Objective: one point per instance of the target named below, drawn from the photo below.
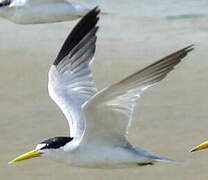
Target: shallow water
(171, 117)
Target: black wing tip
(186, 50)
(83, 27)
(92, 14)
(95, 10)
(189, 48)
(180, 53)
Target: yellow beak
(201, 146)
(28, 155)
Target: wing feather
(70, 78)
(109, 112)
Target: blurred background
(170, 118)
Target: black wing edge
(85, 25)
(162, 66)
(177, 56)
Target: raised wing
(109, 113)
(70, 78)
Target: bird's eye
(54, 143)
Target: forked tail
(151, 158)
(158, 158)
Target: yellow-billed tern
(98, 120)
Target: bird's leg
(145, 164)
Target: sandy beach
(170, 118)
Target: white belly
(97, 157)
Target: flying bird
(201, 146)
(41, 11)
(98, 120)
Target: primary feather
(109, 112)
(70, 78)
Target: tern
(98, 120)
(41, 11)
(201, 146)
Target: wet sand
(170, 118)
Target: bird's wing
(70, 78)
(109, 112)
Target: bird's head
(45, 148)
(4, 3)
